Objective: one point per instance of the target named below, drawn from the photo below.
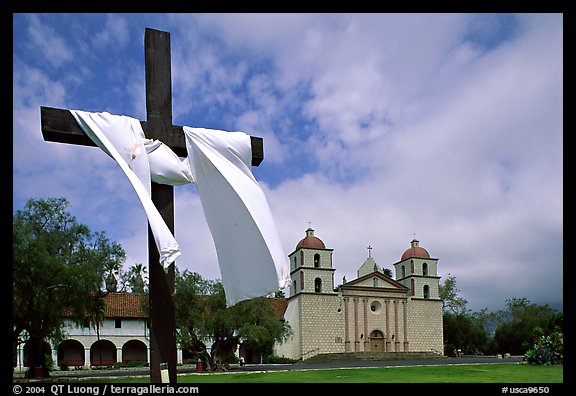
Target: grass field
(473, 373)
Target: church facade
(372, 313)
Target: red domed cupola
(310, 242)
(415, 251)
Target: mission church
(372, 313)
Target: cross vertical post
(159, 118)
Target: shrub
(547, 349)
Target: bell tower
(311, 266)
(419, 272)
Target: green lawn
(474, 373)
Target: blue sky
(376, 127)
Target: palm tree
(111, 262)
(96, 319)
(138, 273)
(111, 282)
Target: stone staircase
(384, 356)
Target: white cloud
(47, 43)
(405, 125)
(114, 32)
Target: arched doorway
(47, 351)
(103, 353)
(376, 341)
(134, 351)
(70, 353)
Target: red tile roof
(280, 304)
(415, 251)
(310, 241)
(125, 305)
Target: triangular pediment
(368, 281)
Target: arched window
(412, 287)
(426, 290)
(403, 272)
(425, 269)
(317, 260)
(295, 287)
(317, 285)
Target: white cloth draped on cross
(251, 259)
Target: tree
(515, 333)
(258, 327)
(202, 317)
(58, 271)
(96, 319)
(488, 321)
(136, 278)
(110, 256)
(448, 292)
(190, 308)
(461, 331)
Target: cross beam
(59, 125)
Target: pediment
(382, 282)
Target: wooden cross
(59, 125)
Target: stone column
(366, 336)
(356, 336)
(179, 358)
(54, 354)
(347, 347)
(396, 338)
(388, 347)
